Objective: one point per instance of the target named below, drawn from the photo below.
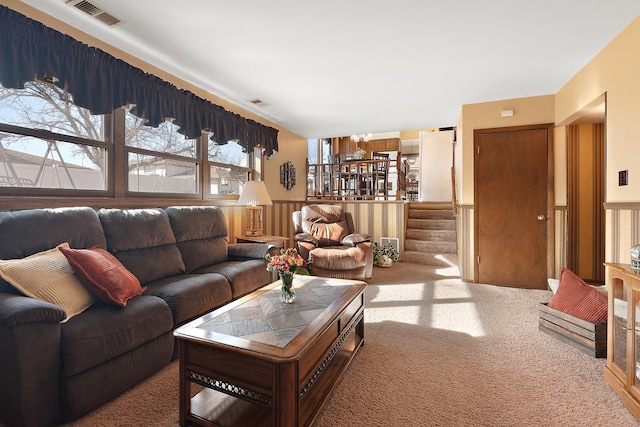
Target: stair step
(431, 214)
(444, 260)
(431, 235)
(431, 224)
(431, 205)
(430, 247)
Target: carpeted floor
(438, 352)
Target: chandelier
(362, 137)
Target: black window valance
(102, 83)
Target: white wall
(436, 157)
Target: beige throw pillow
(48, 276)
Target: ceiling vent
(256, 101)
(95, 12)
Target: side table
(274, 241)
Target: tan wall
(406, 135)
(486, 115)
(292, 149)
(560, 165)
(613, 71)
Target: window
(312, 151)
(160, 160)
(229, 168)
(47, 142)
(50, 146)
(319, 151)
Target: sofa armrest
(30, 361)
(355, 238)
(244, 251)
(307, 238)
(16, 310)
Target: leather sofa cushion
(143, 241)
(243, 276)
(191, 295)
(106, 331)
(338, 258)
(201, 234)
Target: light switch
(623, 178)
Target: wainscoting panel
(464, 229)
(622, 231)
(278, 220)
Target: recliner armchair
(327, 233)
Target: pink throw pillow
(575, 297)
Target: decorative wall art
(288, 175)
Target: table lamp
(254, 195)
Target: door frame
(549, 127)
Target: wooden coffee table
(260, 362)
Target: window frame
(46, 134)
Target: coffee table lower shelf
(211, 407)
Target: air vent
(95, 12)
(256, 101)
(393, 241)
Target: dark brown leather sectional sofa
(53, 372)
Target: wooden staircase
(431, 234)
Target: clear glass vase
(287, 291)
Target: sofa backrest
(143, 241)
(201, 235)
(26, 232)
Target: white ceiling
(337, 67)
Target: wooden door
(513, 205)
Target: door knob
(541, 217)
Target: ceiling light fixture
(361, 137)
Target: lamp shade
(254, 193)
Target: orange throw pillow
(103, 274)
(575, 297)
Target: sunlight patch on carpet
(385, 300)
(458, 317)
(448, 272)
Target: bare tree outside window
(45, 106)
(61, 162)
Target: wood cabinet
(622, 371)
(347, 146)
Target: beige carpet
(438, 352)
